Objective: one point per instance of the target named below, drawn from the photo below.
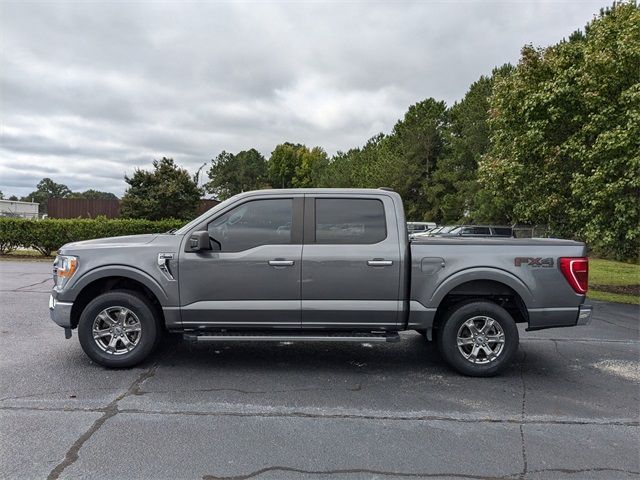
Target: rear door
(351, 262)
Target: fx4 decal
(533, 262)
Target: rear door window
(349, 221)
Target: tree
(417, 142)
(453, 192)
(13, 198)
(93, 194)
(565, 135)
(231, 174)
(167, 191)
(45, 190)
(311, 163)
(282, 165)
(362, 167)
(295, 165)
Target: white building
(11, 208)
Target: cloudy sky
(90, 90)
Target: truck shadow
(412, 355)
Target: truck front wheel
(478, 338)
(118, 329)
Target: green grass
(611, 273)
(613, 297)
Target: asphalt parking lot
(569, 407)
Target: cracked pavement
(568, 408)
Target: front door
(253, 281)
(351, 263)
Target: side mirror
(199, 241)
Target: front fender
(70, 294)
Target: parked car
(442, 230)
(419, 227)
(329, 265)
(479, 231)
(425, 233)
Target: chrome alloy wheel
(480, 340)
(116, 330)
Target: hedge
(49, 235)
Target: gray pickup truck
(315, 265)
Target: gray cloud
(89, 91)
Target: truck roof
(280, 191)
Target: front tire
(478, 338)
(118, 329)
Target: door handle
(379, 263)
(281, 263)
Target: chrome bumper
(60, 312)
(584, 314)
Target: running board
(301, 337)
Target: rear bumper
(540, 318)
(60, 312)
(584, 315)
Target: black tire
(452, 326)
(148, 336)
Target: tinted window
(506, 232)
(478, 231)
(260, 222)
(353, 220)
(475, 231)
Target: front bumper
(60, 312)
(584, 315)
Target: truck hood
(128, 240)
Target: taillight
(576, 271)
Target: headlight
(64, 266)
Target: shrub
(49, 235)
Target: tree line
(553, 140)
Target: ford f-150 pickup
(316, 265)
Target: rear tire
(478, 338)
(118, 329)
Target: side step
(291, 337)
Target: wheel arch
(509, 293)
(92, 285)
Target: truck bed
(524, 269)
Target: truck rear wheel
(118, 329)
(478, 338)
